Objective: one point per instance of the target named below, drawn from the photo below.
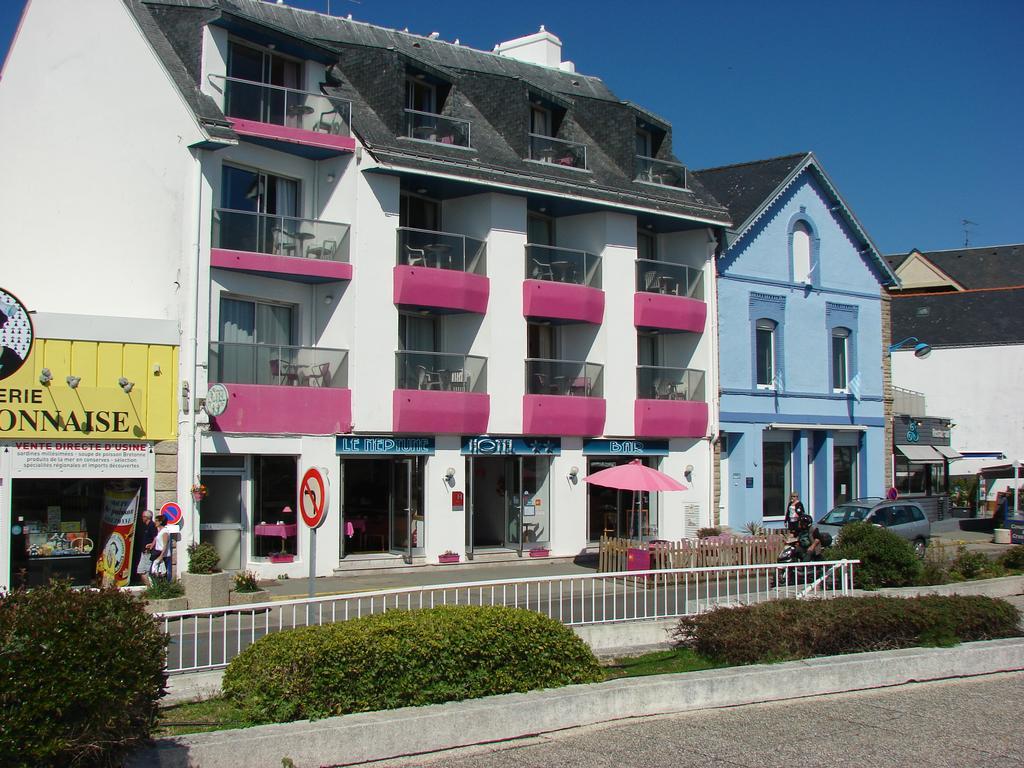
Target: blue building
(800, 287)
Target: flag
(117, 534)
(777, 381)
(854, 386)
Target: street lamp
(920, 348)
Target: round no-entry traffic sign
(313, 497)
(171, 512)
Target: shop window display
(275, 483)
(85, 530)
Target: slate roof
(493, 92)
(961, 318)
(745, 187)
(983, 267)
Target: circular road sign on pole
(313, 492)
(171, 512)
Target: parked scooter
(805, 547)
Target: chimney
(539, 48)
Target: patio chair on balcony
(459, 380)
(542, 270)
(325, 250)
(664, 389)
(651, 282)
(282, 372)
(580, 386)
(415, 257)
(330, 122)
(320, 376)
(428, 379)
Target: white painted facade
(109, 210)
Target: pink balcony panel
(271, 409)
(675, 313)
(670, 418)
(446, 289)
(563, 301)
(289, 267)
(563, 415)
(433, 412)
(328, 142)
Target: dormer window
(546, 119)
(425, 98)
(644, 144)
(540, 121)
(420, 96)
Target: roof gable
(997, 266)
(918, 272)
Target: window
(265, 105)
(257, 343)
(541, 342)
(540, 120)
(419, 212)
(801, 252)
(840, 359)
(646, 246)
(418, 334)
(540, 230)
(274, 482)
(776, 478)
(643, 143)
(911, 478)
(764, 353)
(258, 212)
(420, 96)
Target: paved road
(956, 724)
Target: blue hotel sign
(625, 448)
(385, 445)
(511, 446)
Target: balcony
(441, 271)
(299, 122)
(282, 389)
(563, 285)
(563, 397)
(438, 129)
(660, 172)
(671, 402)
(300, 250)
(564, 154)
(669, 297)
(439, 393)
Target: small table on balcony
(562, 270)
(301, 238)
(441, 253)
(299, 111)
(668, 284)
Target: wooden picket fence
(693, 553)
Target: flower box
(540, 552)
(282, 558)
(448, 558)
(247, 598)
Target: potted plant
(205, 584)
(198, 492)
(162, 596)
(448, 557)
(247, 590)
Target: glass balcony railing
(280, 235)
(568, 154)
(440, 371)
(562, 265)
(657, 383)
(663, 172)
(265, 103)
(442, 250)
(272, 364)
(564, 377)
(666, 277)
(440, 129)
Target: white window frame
(765, 324)
(840, 333)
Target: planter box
(170, 604)
(246, 598)
(448, 558)
(539, 552)
(207, 590)
(282, 558)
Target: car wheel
(920, 545)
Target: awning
(819, 427)
(948, 452)
(921, 454)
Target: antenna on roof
(965, 223)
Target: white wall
(98, 137)
(978, 388)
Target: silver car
(903, 518)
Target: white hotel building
(457, 281)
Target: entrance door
(776, 478)
(843, 474)
(222, 517)
(402, 531)
(494, 516)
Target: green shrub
(782, 630)
(246, 581)
(973, 565)
(1013, 558)
(81, 672)
(886, 560)
(405, 658)
(203, 558)
(162, 589)
(706, 533)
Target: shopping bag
(159, 568)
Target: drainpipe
(195, 282)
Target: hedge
(886, 560)
(405, 658)
(783, 630)
(81, 672)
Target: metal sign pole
(312, 561)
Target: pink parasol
(635, 477)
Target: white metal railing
(210, 638)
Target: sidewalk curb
(370, 736)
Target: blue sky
(914, 107)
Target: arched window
(801, 252)
(840, 359)
(764, 353)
